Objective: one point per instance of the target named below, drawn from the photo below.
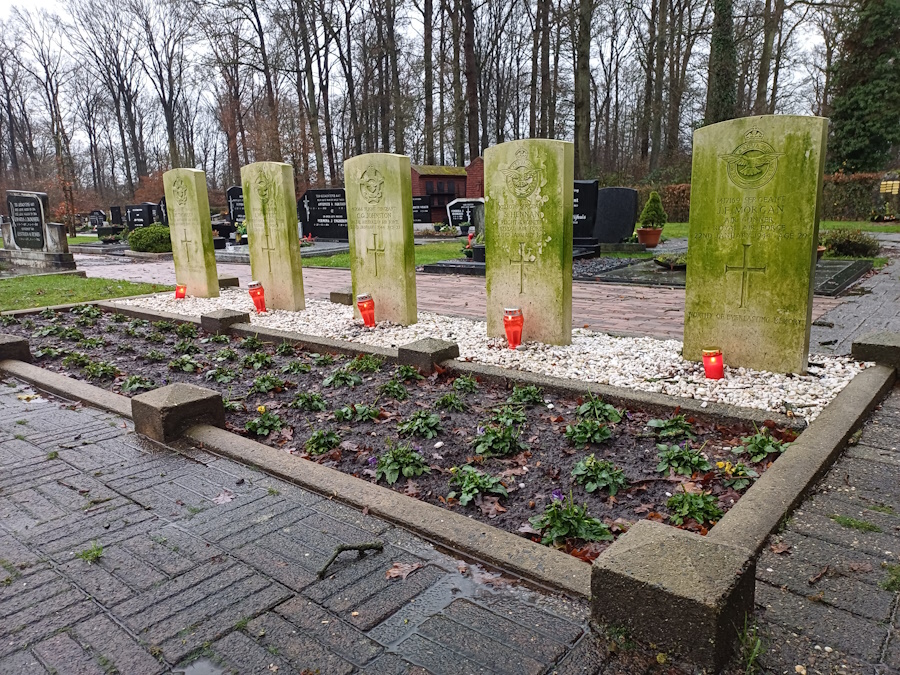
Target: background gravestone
(528, 234)
(584, 213)
(617, 214)
(756, 190)
(380, 225)
(187, 203)
(139, 215)
(97, 218)
(235, 198)
(469, 211)
(28, 239)
(115, 215)
(162, 212)
(271, 212)
(323, 213)
(421, 206)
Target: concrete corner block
(229, 282)
(14, 347)
(883, 348)
(685, 593)
(219, 320)
(423, 354)
(164, 414)
(344, 296)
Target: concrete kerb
(70, 305)
(311, 341)
(882, 348)
(163, 414)
(15, 348)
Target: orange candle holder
(180, 291)
(366, 306)
(513, 321)
(713, 364)
(258, 293)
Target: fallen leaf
(658, 517)
(223, 497)
(643, 508)
(412, 489)
(780, 548)
(490, 506)
(462, 567)
(354, 613)
(526, 528)
(349, 446)
(480, 576)
(401, 570)
(859, 567)
(365, 510)
(817, 577)
(514, 471)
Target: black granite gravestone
(235, 197)
(139, 215)
(27, 212)
(422, 209)
(470, 211)
(97, 218)
(162, 213)
(115, 215)
(323, 214)
(617, 213)
(584, 213)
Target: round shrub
(851, 244)
(151, 239)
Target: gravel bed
(647, 364)
(587, 268)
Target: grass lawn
(60, 289)
(680, 230)
(83, 239)
(425, 254)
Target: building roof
(435, 170)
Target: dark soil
(588, 268)
(530, 476)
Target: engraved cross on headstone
(375, 250)
(268, 248)
(187, 242)
(306, 206)
(745, 271)
(521, 262)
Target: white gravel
(647, 364)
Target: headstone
(153, 209)
(584, 212)
(162, 212)
(380, 225)
(323, 214)
(271, 212)
(421, 206)
(617, 214)
(528, 234)
(235, 197)
(27, 213)
(755, 203)
(187, 203)
(139, 215)
(466, 210)
(97, 218)
(115, 215)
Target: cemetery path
(619, 310)
(120, 556)
(828, 587)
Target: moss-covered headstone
(380, 229)
(756, 192)
(528, 237)
(271, 216)
(187, 203)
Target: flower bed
(573, 472)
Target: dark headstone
(584, 213)
(97, 218)
(235, 197)
(422, 209)
(115, 215)
(155, 216)
(617, 213)
(27, 212)
(323, 214)
(469, 211)
(139, 215)
(162, 213)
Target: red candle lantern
(180, 291)
(513, 322)
(713, 364)
(366, 306)
(258, 293)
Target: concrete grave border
(693, 605)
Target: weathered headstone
(187, 203)
(323, 214)
(380, 224)
(466, 210)
(274, 239)
(235, 197)
(755, 205)
(28, 239)
(584, 213)
(617, 213)
(421, 206)
(528, 234)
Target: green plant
(226, 354)
(89, 311)
(494, 440)
(100, 370)
(359, 412)
(593, 407)
(322, 441)
(450, 401)
(760, 445)
(220, 374)
(155, 355)
(421, 423)
(672, 429)
(405, 373)
(130, 332)
(50, 352)
(526, 395)
(296, 368)
(587, 431)
(91, 554)
(46, 331)
(232, 406)
(118, 317)
(111, 328)
(72, 334)
(465, 384)
(266, 383)
(155, 336)
(53, 454)
(76, 360)
(399, 459)
(682, 460)
(597, 474)
(136, 383)
(563, 519)
(322, 359)
(150, 239)
(653, 215)
(186, 347)
(472, 482)
(265, 424)
(508, 415)
(47, 314)
(85, 321)
(736, 476)
(699, 506)
(342, 378)
(892, 583)
(163, 326)
(185, 363)
(217, 338)
(8, 320)
(138, 323)
(855, 524)
(28, 323)
(251, 342)
(284, 349)
(308, 401)
(187, 331)
(365, 363)
(123, 347)
(752, 647)
(256, 360)
(395, 389)
(850, 244)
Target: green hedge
(150, 239)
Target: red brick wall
(418, 184)
(475, 180)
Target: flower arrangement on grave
(308, 240)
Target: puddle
(201, 667)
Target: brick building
(446, 183)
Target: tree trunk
(429, 82)
(459, 142)
(659, 68)
(544, 11)
(396, 95)
(721, 92)
(471, 79)
(583, 88)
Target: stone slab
(343, 296)
(220, 319)
(14, 347)
(425, 353)
(164, 413)
(229, 282)
(882, 347)
(187, 203)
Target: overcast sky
(49, 5)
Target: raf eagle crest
(753, 163)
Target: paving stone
(550, 624)
(276, 566)
(13, 552)
(62, 654)
(97, 582)
(822, 527)
(21, 662)
(311, 550)
(264, 522)
(170, 549)
(130, 569)
(392, 664)
(221, 520)
(351, 516)
(868, 454)
(301, 651)
(407, 619)
(881, 435)
(51, 622)
(892, 653)
(785, 649)
(329, 630)
(247, 657)
(106, 526)
(16, 450)
(29, 590)
(348, 569)
(438, 659)
(587, 658)
(114, 646)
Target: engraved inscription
(753, 163)
(745, 271)
(375, 251)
